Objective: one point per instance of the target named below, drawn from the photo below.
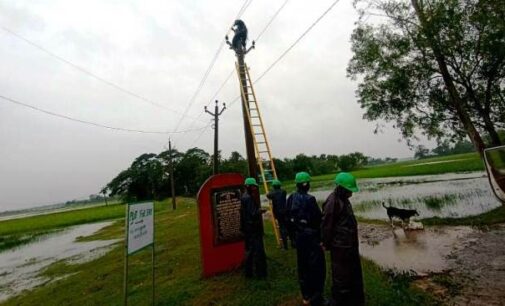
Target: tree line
(148, 177)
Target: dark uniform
(239, 39)
(340, 237)
(305, 217)
(251, 225)
(278, 198)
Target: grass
(437, 165)
(178, 274)
(20, 231)
(60, 219)
(491, 217)
(11, 241)
(437, 202)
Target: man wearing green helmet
(340, 237)
(251, 226)
(278, 198)
(305, 217)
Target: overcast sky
(161, 50)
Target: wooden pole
(172, 179)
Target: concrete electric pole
(216, 115)
(240, 51)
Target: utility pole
(216, 115)
(172, 180)
(240, 52)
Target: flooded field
(447, 195)
(421, 252)
(472, 259)
(20, 267)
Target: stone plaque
(226, 215)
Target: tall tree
(236, 163)
(192, 170)
(435, 66)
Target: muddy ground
(460, 265)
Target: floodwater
(20, 267)
(448, 195)
(421, 251)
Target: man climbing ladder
(259, 154)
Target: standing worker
(340, 237)
(278, 198)
(251, 226)
(305, 217)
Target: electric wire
(257, 38)
(209, 69)
(214, 96)
(232, 70)
(297, 41)
(89, 73)
(283, 54)
(47, 112)
(271, 20)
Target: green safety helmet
(347, 181)
(302, 177)
(276, 183)
(250, 181)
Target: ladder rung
(258, 133)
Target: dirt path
(480, 267)
(468, 264)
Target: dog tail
(384, 205)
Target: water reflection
(419, 251)
(20, 267)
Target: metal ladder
(261, 145)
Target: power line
(297, 40)
(245, 6)
(215, 94)
(231, 72)
(209, 68)
(276, 61)
(35, 108)
(204, 129)
(87, 72)
(271, 20)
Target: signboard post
(221, 242)
(139, 226)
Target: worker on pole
(340, 237)
(251, 226)
(305, 217)
(280, 210)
